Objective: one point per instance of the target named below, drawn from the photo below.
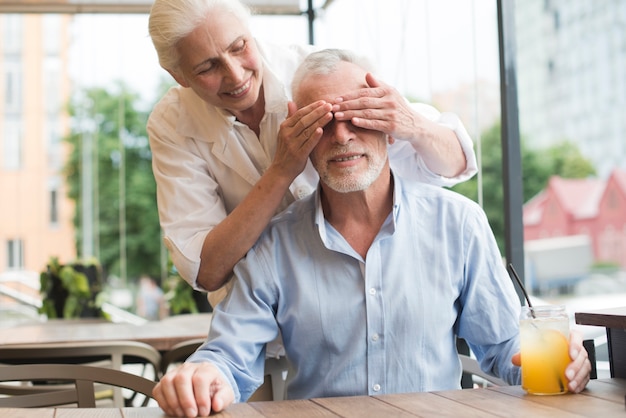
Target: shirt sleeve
(490, 308)
(407, 162)
(188, 197)
(241, 326)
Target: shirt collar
(276, 92)
(321, 223)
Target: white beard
(351, 179)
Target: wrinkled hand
(382, 108)
(299, 133)
(192, 390)
(578, 371)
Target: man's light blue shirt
(386, 324)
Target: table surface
(602, 398)
(610, 318)
(162, 335)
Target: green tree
(567, 161)
(538, 165)
(121, 149)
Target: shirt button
(376, 387)
(302, 192)
(375, 337)
(372, 291)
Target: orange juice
(544, 350)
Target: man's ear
(179, 78)
(390, 139)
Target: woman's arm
(440, 140)
(231, 239)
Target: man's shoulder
(285, 229)
(417, 188)
(442, 195)
(299, 211)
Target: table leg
(616, 340)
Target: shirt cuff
(452, 121)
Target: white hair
(172, 20)
(324, 62)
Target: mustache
(340, 150)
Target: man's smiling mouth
(350, 158)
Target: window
(52, 34)
(557, 21)
(12, 85)
(54, 207)
(52, 82)
(12, 144)
(12, 39)
(15, 256)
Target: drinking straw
(512, 271)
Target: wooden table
(162, 335)
(614, 320)
(602, 398)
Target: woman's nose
(233, 70)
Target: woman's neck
(252, 116)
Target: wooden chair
(83, 391)
(113, 354)
(272, 389)
(179, 353)
(473, 372)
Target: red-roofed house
(591, 207)
(610, 228)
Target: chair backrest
(472, 369)
(113, 354)
(179, 353)
(118, 352)
(275, 370)
(83, 378)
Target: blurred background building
(571, 57)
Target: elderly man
(369, 280)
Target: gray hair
(324, 62)
(172, 20)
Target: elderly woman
(230, 150)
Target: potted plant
(180, 296)
(72, 290)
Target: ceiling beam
(125, 6)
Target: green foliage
(567, 161)
(67, 291)
(179, 296)
(121, 160)
(605, 267)
(538, 165)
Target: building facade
(571, 69)
(35, 215)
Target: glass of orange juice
(544, 339)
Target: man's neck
(358, 216)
